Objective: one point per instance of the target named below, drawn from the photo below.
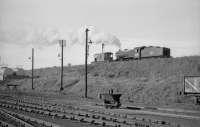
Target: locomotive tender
(136, 53)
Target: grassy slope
(149, 81)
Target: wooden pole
(32, 67)
(86, 57)
(61, 88)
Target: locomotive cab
(137, 52)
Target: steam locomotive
(136, 53)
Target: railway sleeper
(105, 118)
(65, 117)
(142, 125)
(95, 116)
(110, 124)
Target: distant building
(4, 72)
(18, 71)
(69, 64)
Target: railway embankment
(155, 82)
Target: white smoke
(106, 38)
(41, 37)
(78, 37)
(25, 36)
(44, 37)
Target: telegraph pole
(86, 57)
(102, 47)
(61, 87)
(32, 67)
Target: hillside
(148, 81)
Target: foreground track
(39, 106)
(12, 119)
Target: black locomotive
(136, 53)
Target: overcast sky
(38, 23)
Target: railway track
(46, 108)
(12, 119)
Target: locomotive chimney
(102, 47)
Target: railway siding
(84, 115)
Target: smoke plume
(25, 36)
(41, 37)
(95, 36)
(106, 38)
